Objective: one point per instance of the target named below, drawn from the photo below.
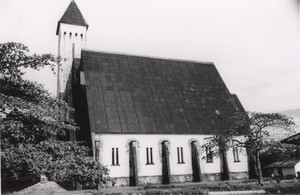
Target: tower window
(65, 33)
(75, 34)
(149, 156)
(209, 155)
(81, 35)
(236, 154)
(115, 156)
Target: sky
(255, 44)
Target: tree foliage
(14, 57)
(252, 131)
(63, 162)
(29, 113)
(34, 126)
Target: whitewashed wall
(297, 166)
(288, 171)
(121, 141)
(65, 44)
(242, 165)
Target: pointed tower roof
(72, 16)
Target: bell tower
(72, 35)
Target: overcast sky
(253, 43)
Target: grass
(285, 187)
(271, 187)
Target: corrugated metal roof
(72, 16)
(134, 94)
(288, 163)
(294, 139)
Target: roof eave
(294, 139)
(58, 26)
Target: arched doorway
(195, 162)
(166, 176)
(133, 174)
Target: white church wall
(72, 38)
(237, 166)
(238, 169)
(121, 141)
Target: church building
(147, 119)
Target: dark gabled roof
(72, 16)
(134, 94)
(287, 163)
(294, 139)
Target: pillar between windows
(133, 172)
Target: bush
(66, 163)
(290, 177)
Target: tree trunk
(252, 165)
(195, 163)
(258, 166)
(225, 175)
(298, 151)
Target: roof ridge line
(145, 56)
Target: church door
(195, 163)
(133, 175)
(165, 163)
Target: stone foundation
(181, 178)
(121, 181)
(157, 179)
(211, 176)
(239, 175)
(144, 180)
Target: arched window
(236, 154)
(149, 156)
(115, 156)
(209, 154)
(180, 155)
(97, 146)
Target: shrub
(66, 163)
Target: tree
(252, 131)
(34, 126)
(14, 57)
(28, 112)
